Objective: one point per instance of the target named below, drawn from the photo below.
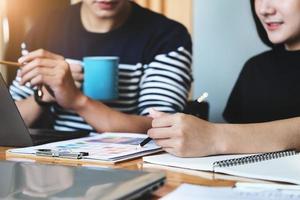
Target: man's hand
(49, 69)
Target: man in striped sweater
(154, 69)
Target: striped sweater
(155, 61)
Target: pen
(199, 100)
(145, 141)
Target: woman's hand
(49, 69)
(183, 135)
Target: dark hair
(259, 27)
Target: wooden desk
(174, 179)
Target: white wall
(224, 38)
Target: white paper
(202, 163)
(195, 192)
(285, 169)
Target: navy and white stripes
(166, 82)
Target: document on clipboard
(105, 147)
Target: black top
(155, 60)
(267, 89)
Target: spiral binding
(253, 158)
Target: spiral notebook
(283, 166)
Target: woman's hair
(259, 27)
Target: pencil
(199, 100)
(10, 63)
(39, 92)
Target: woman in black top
(266, 97)
(268, 86)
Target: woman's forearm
(259, 137)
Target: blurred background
(223, 33)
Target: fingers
(46, 75)
(77, 68)
(40, 79)
(164, 143)
(41, 53)
(37, 63)
(44, 67)
(77, 71)
(170, 151)
(77, 76)
(78, 84)
(36, 75)
(155, 114)
(36, 80)
(168, 120)
(160, 133)
(171, 146)
(163, 121)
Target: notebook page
(286, 169)
(195, 192)
(202, 163)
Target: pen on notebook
(199, 100)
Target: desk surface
(174, 179)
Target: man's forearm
(29, 109)
(259, 137)
(103, 119)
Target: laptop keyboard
(46, 136)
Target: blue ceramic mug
(101, 77)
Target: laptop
(13, 131)
(21, 180)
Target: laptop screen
(13, 131)
(41, 181)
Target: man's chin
(106, 14)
